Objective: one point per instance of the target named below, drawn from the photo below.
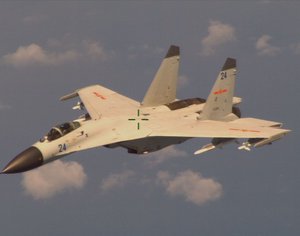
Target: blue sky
(49, 49)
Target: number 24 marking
(223, 75)
(62, 147)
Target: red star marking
(220, 91)
(99, 95)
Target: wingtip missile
(259, 142)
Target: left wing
(103, 102)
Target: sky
(51, 48)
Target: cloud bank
(117, 180)
(95, 50)
(218, 35)
(163, 155)
(53, 178)
(135, 51)
(264, 47)
(190, 185)
(35, 54)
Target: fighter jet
(112, 120)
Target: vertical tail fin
(219, 101)
(164, 85)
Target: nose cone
(26, 160)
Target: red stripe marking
(99, 95)
(220, 91)
(245, 130)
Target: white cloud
(34, 54)
(135, 52)
(59, 52)
(264, 47)
(53, 178)
(190, 185)
(117, 180)
(183, 80)
(218, 35)
(95, 50)
(163, 155)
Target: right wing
(103, 102)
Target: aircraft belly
(150, 144)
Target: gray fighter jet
(113, 120)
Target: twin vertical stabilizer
(164, 85)
(220, 100)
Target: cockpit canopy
(61, 130)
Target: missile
(205, 148)
(215, 143)
(269, 140)
(259, 142)
(78, 106)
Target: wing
(241, 128)
(103, 102)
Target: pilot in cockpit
(60, 130)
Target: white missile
(216, 143)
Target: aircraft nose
(26, 160)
